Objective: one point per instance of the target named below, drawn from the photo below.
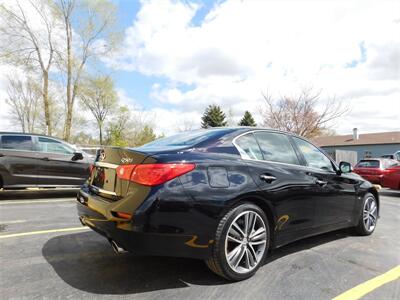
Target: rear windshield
(368, 164)
(183, 140)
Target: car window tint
(276, 147)
(53, 146)
(17, 142)
(368, 164)
(248, 147)
(313, 156)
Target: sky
(177, 57)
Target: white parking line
(13, 221)
(44, 231)
(8, 202)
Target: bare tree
(23, 98)
(96, 21)
(305, 114)
(23, 43)
(99, 96)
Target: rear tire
(241, 243)
(368, 216)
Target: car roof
(244, 129)
(376, 158)
(32, 134)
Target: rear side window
(390, 163)
(53, 146)
(17, 142)
(313, 156)
(248, 147)
(276, 147)
(368, 164)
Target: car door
(56, 166)
(277, 171)
(336, 193)
(17, 160)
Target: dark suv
(31, 160)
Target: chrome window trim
(240, 150)
(105, 165)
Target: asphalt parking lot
(46, 253)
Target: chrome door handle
(321, 182)
(267, 178)
(45, 158)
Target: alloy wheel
(245, 242)
(370, 214)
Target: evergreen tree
(213, 117)
(247, 120)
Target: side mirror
(345, 167)
(77, 156)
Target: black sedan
(225, 195)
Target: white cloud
(346, 48)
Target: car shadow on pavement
(86, 262)
(390, 193)
(37, 194)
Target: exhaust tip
(81, 219)
(117, 249)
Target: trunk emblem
(102, 155)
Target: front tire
(241, 243)
(368, 215)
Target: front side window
(276, 147)
(17, 142)
(248, 147)
(313, 156)
(53, 146)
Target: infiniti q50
(224, 195)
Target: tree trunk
(70, 103)
(101, 133)
(46, 102)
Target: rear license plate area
(104, 178)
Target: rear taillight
(390, 171)
(152, 174)
(125, 171)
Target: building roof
(392, 137)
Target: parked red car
(391, 179)
(374, 169)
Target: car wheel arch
(263, 204)
(375, 193)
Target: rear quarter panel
(217, 183)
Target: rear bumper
(137, 239)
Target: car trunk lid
(103, 180)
